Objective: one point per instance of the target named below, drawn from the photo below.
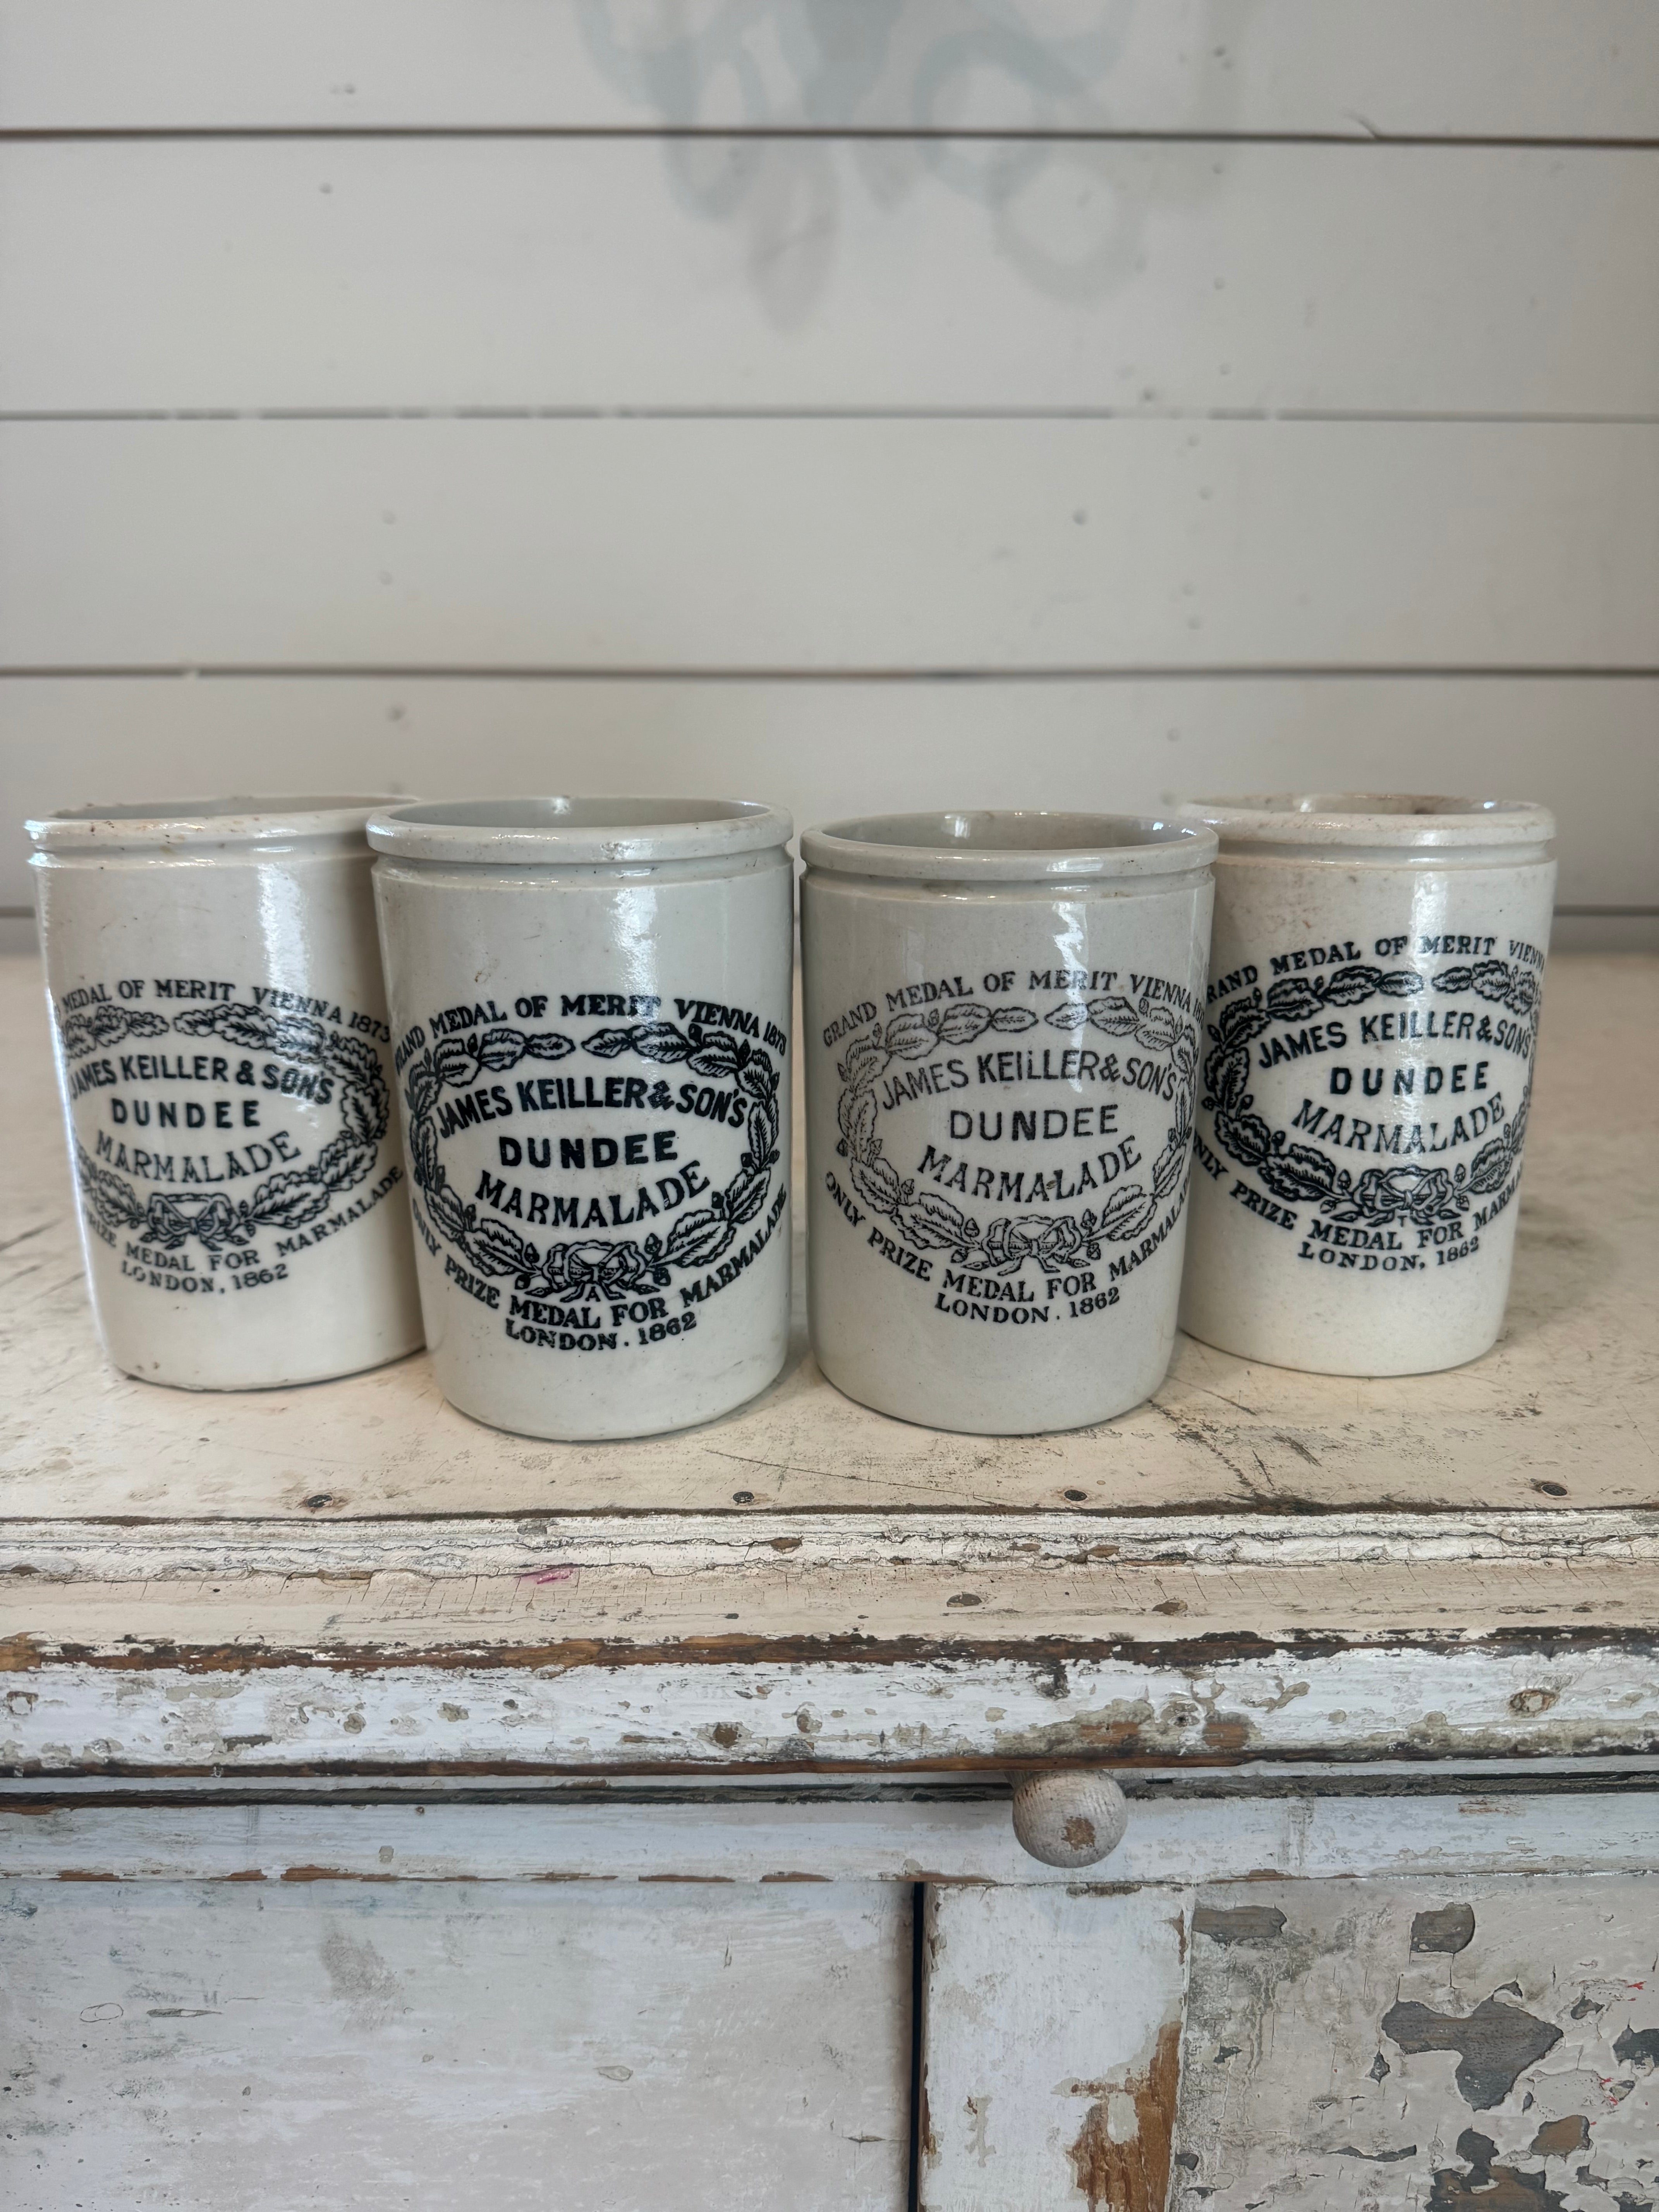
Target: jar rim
(561, 830)
(1407, 820)
(1032, 845)
(236, 819)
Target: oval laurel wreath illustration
(286, 1200)
(929, 1221)
(1380, 1196)
(569, 1271)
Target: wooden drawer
(1340, 1997)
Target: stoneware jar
(1372, 1016)
(226, 1066)
(591, 1000)
(1002, 1047)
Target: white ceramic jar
(1372, 1015)
(1001, 1041)
(225, 1060)
(592, 1003)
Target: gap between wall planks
(368, 278)
(1347, 69)
(1583, 745)
(829, 544)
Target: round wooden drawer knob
(1069, 1820)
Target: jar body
(225, 1060)
(999, 1087)
(1370, 1040)
(593, 1072)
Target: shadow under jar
(225, 1058)
(591, 1000)
(1375, 975)
(1001, 1042)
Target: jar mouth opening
(1324, 803)
(558, 828)
(1007, 844)
(1383, 824)
(237, 817)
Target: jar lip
(237, 819)
(1404, 819)
(582, 831)
(1011, 845)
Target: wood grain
(948, 1830)
(828, 545)
(1554, 68)
(1583, 746)
(1051, 2032)
(621, 274)
(226, 2048)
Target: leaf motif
(911, 1036)
(931, 1220)
(866, 1059)
(358, 1112)
(1349, 986)
(697, 1238)
(1072, 1015)
(289, 1201)
(1156, 1028)
(500, 1049)
(501, 1250)
(343, 1161)
(1293, 999)
(1008, 1021)
(1490, 1168)
(1241, 1022)
(962, 1021)
(875, 1181)
(745, 1195)
(1171, 1165)
(455, 1063)
(1112, 1016)
(448, 1212)
(610, 1044)
(421, 1089)
(1127, 1214)
(718, 1054)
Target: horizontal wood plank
(360, 2050)
(1505, 67)
(1584, 747)
(1457, 1695)
(834, 1831)
(828, 545)
(402, 274)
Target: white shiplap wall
(1065, 401)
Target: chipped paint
(1121, 2159)
(1338, 2066)
(1495, 2044)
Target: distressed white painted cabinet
(403, 1814)
(984, 402)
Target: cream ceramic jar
(592, 1003)
(1001, 1046)
(1370, 1028)
(226, 1067)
